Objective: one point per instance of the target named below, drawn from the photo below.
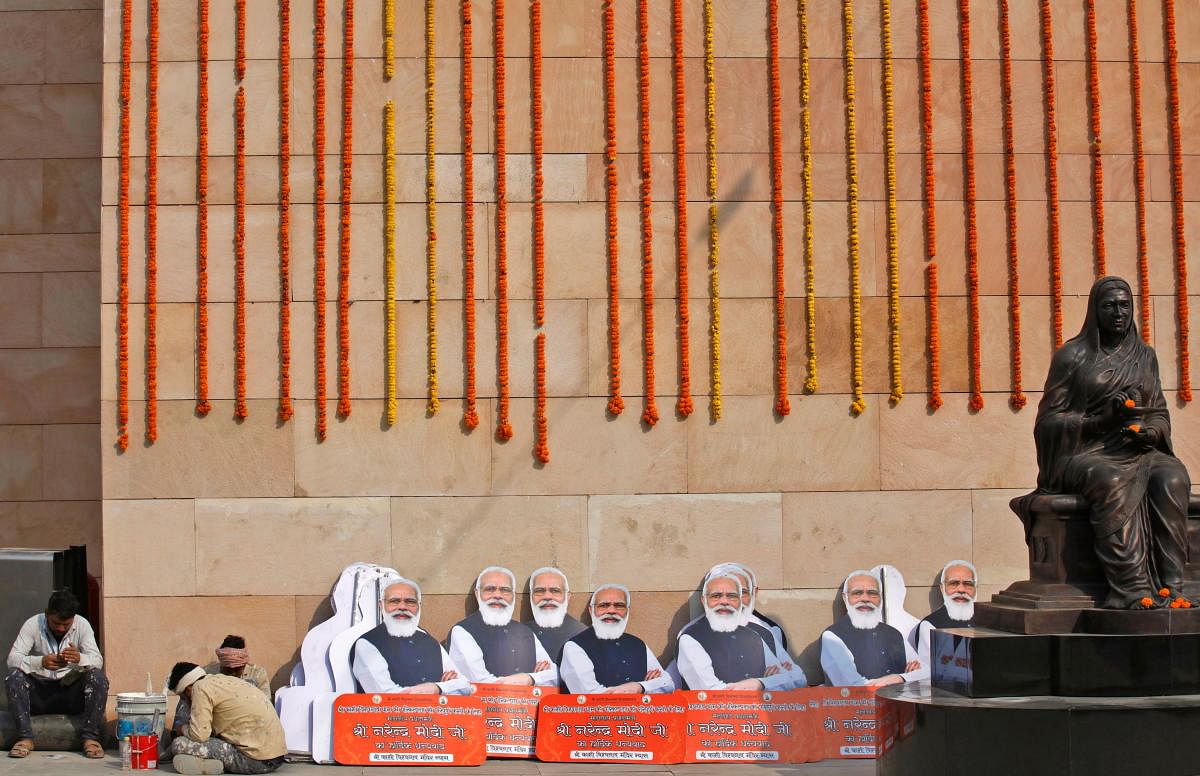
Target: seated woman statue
(1103, 432)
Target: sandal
(21, 749)
(92, 749)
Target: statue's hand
(1143, 437)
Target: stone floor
(73, 764)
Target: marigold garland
(239, 253)
(858, 402)
(319, 210)
(343, 407)
(431, 355)
(285, 206)
(925, 63)
(1177, 203)
(806, 161)
(202, 405)
(539, 214)
(935, 338)
(152, 221)
(503, 425)
(893, 228)
(1055, 247)
(968, 129)
(123, 230)
(389, 39)
(470, 412)
(650, 409)
(1016, 398)
(684, 405)
(1093, 71)
(239, 72)
(615, 403)
(782, 405)
(542, 446)
(1139, 166)
(389, 257)
(714, 280)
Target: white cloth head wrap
(187, 680)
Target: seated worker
(397, 656)
(957, 583)
(717, 652)
(771, 633)
(861, 648)
(232, 728)
(549, 594)
(55, 668)
(606, 659)
(488, 646)
(232, 660)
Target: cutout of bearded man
(549, 595)
(862, 649)
(606, 659)
(770, 633)
(489, 646)
(957, 582)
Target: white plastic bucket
(140, 714)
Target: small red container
(143, 752)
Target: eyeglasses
(399, 601)
(619, 606)
(859, 593)
(967, 583)
(724, 596)
(547, 590)
(490, 589)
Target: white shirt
(466, 654)
(837, 661)
(371, 671)
(579, 672)
(794, 673)
(35, 640)
(695, 667)
(924, 638)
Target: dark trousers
(29, 694)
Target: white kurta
(371, 671)
(579, 672)
(837, 661)
(696, 668)
(466, 654)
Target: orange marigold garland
(714, 233)
(650, 411)
(782, 405)
(431, 354)
(1139, 166)
(858, 402)
(1177, 203)
(925, 62)
(684, 404)
(542, 446)
(811, 382)
(968, 119)
(893, 226)
(470, 412)
(240, 42)
(1093, 70)
(319, 210)
(615, 403)
(123, 230)
(1055, 247)
(202, 405)
(344, 226)
(503, 425)
(239, 253)
(152, 221)
(539, 210)
(935, 338)
(285, 204)
(1016, 398)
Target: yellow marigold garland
(893, 228)
(684, 405)
(389, 255)
(1139, 161)
(782, 405)
(389, 39)
(714, 279)
(431, 404)
(806, 162)
(1093, 71)
(859, 402)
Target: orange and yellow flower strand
(782, 405)
(1093, 91)
(285, 198)
(470, 411)
(239, 64)
(389, 258)
(929, 192)
(893, 227)
(1139, 176)
(152, 221)
(1177, 203)
(934, 336)
(539, 206)
(504, 430)
(541, 447)
(615, 403)
(650, 407)
(1016, 397)
(858, 402)
(431, 380)
(240, 410)
(683, 406)
(968, 119)
(811, 382)
(343, 407)
(389, 39)
(202, 405)
(714, 279)
(1055, 247)
(319, 212)
(123, 228)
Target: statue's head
(1110, 308)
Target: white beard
(865, 620)
(551, 616)
(495, 617)
(958, 610)
(401, 628)
(610, 630)
(722, 623)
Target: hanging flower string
(319, 210)
(503, 425)
(1016, 398)
(152, 221)
(1055, 247)
(929, 191)
(389, 39)
(1139, 166)
(714, 278)
(782, 406)
(858, 401)
(542, 446)
(431, 378)
(239, 253)
(615, 403)
(1093, 70)
(202, 405)
(123, 230)
(893, 228)
(650, 410)
(539, 214)
(935, 338)
(1177, 203)
(285, 200)
(806, 161)
(968, 119)
(470, 412)
(684, 405)
(343, 408)
(239, 7)
(389, 257)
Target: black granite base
(945, 733)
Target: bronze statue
(1103, 432)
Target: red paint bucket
(143, 752)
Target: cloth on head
(188, 679)
(232, 657)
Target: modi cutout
(549, 595)
(957, 583)
(606, 659)
(489, 646)
(860, 648)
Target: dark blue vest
(765, 634)
(411, 661)
(735, 656)
(877, 652)
(773, 624)
(553, 638)
(616, 661)
(507, 649)
(940, 618)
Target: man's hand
(425, 688)
(70, 654)
(745, 684)
(543, 665)
(653, 673)
(772, 670)
(628, 687)
(884, 681)
(515, 679)
(449, 676)
(912, 665)
(53, 662)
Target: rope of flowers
(123, 229)
(202, 405)
(714, 279)
(152, 221)
(239, 253)
(1055, 247)
(319, 211)
(811, 382)
(1139, 166)
(470, 411)
(239, 9)
(1016, 398)
(968, 129)
(615, 403)
(503, 425)
(782, 406)
(431, 355)
(925, 63)
(683, 405)
(542, 445)
(389, 258)
(343, 323)
(935, 338)
(389, 39)
(858, 401)
(1093, 89)
(285, 206)
(650, 409)
(539, 210)
(893, 227)
(1177, 204)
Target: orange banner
(408, 730)
(510, 717)
(846, 726)
(615, 728)
(743, 726)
